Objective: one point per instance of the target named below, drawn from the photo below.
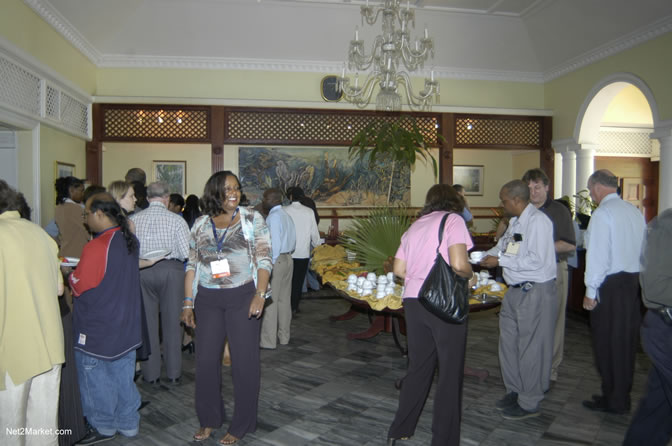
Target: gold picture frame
(62, 169)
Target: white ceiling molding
(631, 40)
(50, 15)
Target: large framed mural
(327, 175)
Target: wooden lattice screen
(156, 124)
(309, 127)
(494, 131)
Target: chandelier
(390, 49)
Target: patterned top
(159, 229)
(247, 247)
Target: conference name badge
(220, 268)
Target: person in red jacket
(106, 322)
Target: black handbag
(444, 293)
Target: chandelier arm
(362, 94)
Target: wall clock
(328, 89)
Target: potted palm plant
(400, 140)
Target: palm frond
(376, 237)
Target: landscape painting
(327, 175)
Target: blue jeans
(110, 399)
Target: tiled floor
(323, 389)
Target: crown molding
(298, 66)
(50, 15)
(644, 34)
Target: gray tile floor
(323, 389)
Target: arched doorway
(613, 131)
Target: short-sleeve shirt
(563, 228)
(419, 243)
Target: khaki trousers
(559, 338)
(278, 311)
(29, 411)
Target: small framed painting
(173, 173)
(62, 169)
(471, 177)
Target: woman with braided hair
(107, 324)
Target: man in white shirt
(613, 243)
(307, 234)
(526, 254)
(162, 284)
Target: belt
(285, 253)
(521, 284)
(666, 314)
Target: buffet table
(388, 319)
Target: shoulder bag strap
(441, 226)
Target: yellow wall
(291, 87)
(649, 61)
(24, 141)
(630, 107)
(57, 146)
(25, 29)
(522, 162)
(119, 157)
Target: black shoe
(509, 400)
(94, 437)
(516, 412)
(598, 404)
(143, 404)
(189, 347)
(393, 441)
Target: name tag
(82, 339)
(512, 248)
(220, 268)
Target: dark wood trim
(94, 149)
(446, 149)
(217, 127)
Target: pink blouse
(418, 246)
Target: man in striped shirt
(162, 233)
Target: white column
(665, 166)
(585, 166)
(569, 173)
(557, 175)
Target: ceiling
(516, 40)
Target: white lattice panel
(19, 88)
(74, 114)
(630, 143)
(52, 103)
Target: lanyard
(220, 241)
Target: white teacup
(372, 277)
(390, 277)
(495, 287)
(352, 278)
(484, 275)
(476, 256)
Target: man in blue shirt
(278, 312)
(466, 213)
(613, 244)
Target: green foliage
(376, 237)
(401, 139)
(582, 204)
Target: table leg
(352, 312)
(381, 322)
